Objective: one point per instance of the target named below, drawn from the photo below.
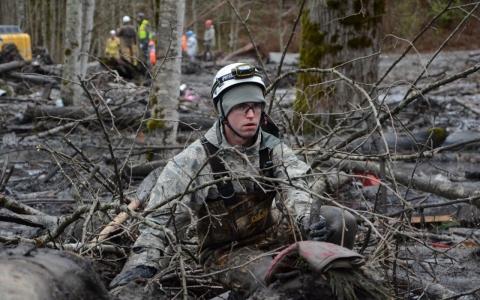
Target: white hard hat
(126, 19)
(233, 74)
(113, 32)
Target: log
(78, 113)
(125, 115)
(55, 70)
(249, 50)
(32, 221)
(35, 79)
(422, 183)
(11, 66)
(17, 207)
(29, 273)
(23, 99)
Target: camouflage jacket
(190, 170)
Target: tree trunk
(71, 92)
(279, 25)
(333, 33)
(164, 106)
(89, 9)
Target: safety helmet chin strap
(224, 120)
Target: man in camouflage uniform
(237, 220)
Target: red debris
(367, 179)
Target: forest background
(270, 22)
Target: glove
(132, 274)
(316, 231)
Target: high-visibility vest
(113, 46)
(144, 31)
(151, 50)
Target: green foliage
(450, 17)
(446, 225)
(438, 136)
(154, 124)
(408, 17)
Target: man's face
(244, 118)
(139, 20)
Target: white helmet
(126, 19)
(232, 75)
(113, 32)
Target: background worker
(236, 219)
(128, 40)
(144, 36)
(184, 43)
(208, 40)
(113, 46)
(192, 45)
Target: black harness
(225, 187)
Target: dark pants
(145, 54)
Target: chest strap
(225, 188)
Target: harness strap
(225, 188)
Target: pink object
(321, 257)
(191, 96)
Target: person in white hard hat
(225, 184)
(113, 46)
(128, 40)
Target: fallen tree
(13, 65)
(123, 114)
(424, 183)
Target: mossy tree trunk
(164, 105)
(335, 32)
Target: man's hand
(318, 230)
(132, 274)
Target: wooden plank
(432, 219)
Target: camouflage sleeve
(180, 174)
(290, 167)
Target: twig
(119, 219)
(107, 137)
(295, 23)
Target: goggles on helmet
(239, 72)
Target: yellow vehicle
(13, 34)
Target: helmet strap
(265, 121)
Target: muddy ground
(455, 107)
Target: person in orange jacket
(184, 43)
